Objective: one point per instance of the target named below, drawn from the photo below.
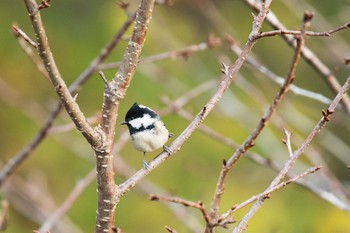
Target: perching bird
(146, 129)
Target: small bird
(146, 129)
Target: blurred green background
(77, 31)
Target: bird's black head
(138, 111)
(139, 118)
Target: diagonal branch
(58, 83)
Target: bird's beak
(123, 123)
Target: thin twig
(288, 141)
(4, 214)
(197, 205)
(27, 46)
(169, 229)
(212, 42)
(19, 33)
(307, 33)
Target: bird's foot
(167, 150)
(145, 165)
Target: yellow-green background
(77, 30)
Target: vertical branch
(115, 91)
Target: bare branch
(197, 205)
(170, 229)
(4, 214)
(186, 52)
(19, 33)
(288, 141)
(27, 46)
(307, 33)
(44, 4)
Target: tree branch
(58, 83)
(115, 91)
(212, 42)
(307, 33)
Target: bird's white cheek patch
(146, 120)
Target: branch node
(213, 41)
(44, 4)
(102, 75)
(19, 33)
(225, 68)
(169, 229)
(123, 5)
(308, 15)
(327, 114)
(347, 61)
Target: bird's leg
(145, 164)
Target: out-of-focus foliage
(77, 30)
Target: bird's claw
(145, 165)
(167, 149)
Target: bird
(147, 130)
